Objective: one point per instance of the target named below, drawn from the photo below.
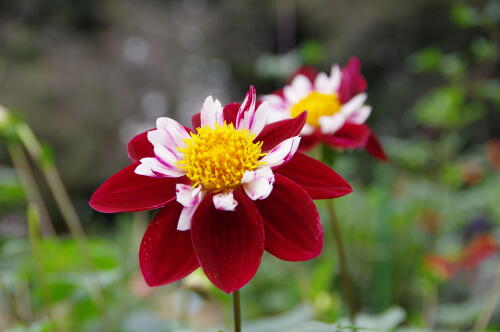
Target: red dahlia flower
(335, 107)
(228, 190)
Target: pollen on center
(317, 105)
(218, 158)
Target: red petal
(126, 191)
(352, 82)
(308, 72)
(291, 221)
(196, 121)
(275, 133)
(230, 112)
(166, 254)
(374, 148)
(349, 136)
(229, 244)
(319, 180)
(139, 147)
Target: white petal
(258, 184)
(361, 115)
(330, 124)
(307, 130)
(298, 89)
(184, 223)
(335, 77)
(167, 156)
(353, 105)
(187, 195)
(282, 152)
(225, 201)
(258, 120)
(154, 168)
(211, 113)
(172, 133)
(247, 109)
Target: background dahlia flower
(335, 105)
(228, 190)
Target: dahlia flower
(335, 105)
(227, 190)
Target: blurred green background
(87, 75)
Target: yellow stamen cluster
(217, 158)
(317, 105)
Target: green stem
(344, 272)
(66, 207)
(237, 311)
(25, 174)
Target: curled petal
(225, 201)
(352, 82)
(139, 147)
(328, 85)
(211, 113)
(319, 180)
(126, 191)
(277, 132)
(258, 184)
(229, 244)
(247, 106)
(282, 152)
(185, 219)
(166, 254)
(291, 222)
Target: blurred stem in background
(344, 271)
(56, 186)
(328, 157)
(25, 174)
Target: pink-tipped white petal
(225, 201)
(167, 156)
(361, 115)
(211, 113)
(298, 89)
(247, 109)
(282, 152)
(353, 105)
(258, 184)
(330, 124)
(257, 121)
(152, 167)
(172, 133)
(188, 196)
(184, 223)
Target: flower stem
(237, 311)
(344, 273)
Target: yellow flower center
(217, 158)
(317, 105)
